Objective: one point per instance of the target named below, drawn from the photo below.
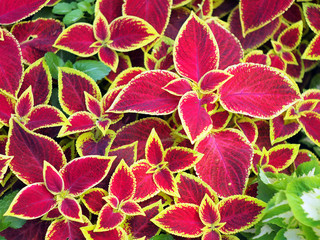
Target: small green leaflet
(6, 222)
(95, 69)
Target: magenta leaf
(52, 178)
(37, 37)
(180, 219)
(195, 50)
(252, 92)
(11, 65)
(108, 219)
(70, 209)
(144, 94)
(227, 157)
(32, 202)
(155, 12)
(192, 189)
(30, 150)
(239, 213)
(195, 120)
(256, 14)
(85, 172)
(13, 11)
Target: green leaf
(310, 232)
(303, 196)
(6, 222)
(72, 17)
(315, 81)
(84, 6)
(289, 234)
(311, 168)
(62, 8)
(270, 183)
(278, 211)
(53, 62)
(265, 231)
(162, 237)
(95, 69)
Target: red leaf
(43, 116)
(177, 18)
(93, 199)
(101, 29)
(131, 208)
(241, 95)
(291, 37)
(213, 79)
(78, 122)
(178, 86)
(230, 49)
(126, 152)
(180, 219)
(192, 189)
(77, 39)
(239, 213)
(85, 172)
(281, 129)
(129, 33)
(52, 178)
(208, 212)
(38, 76)
(71, 209)
(87, 144)
(123, 183)
(109, 57)
(114, 234)
(37, 37)
(4, 163)
(32, 202)
(310, 122)
(111, 9)
(312, 52)
(227, 157)
(249, 128)
(195, 50)
(194, 118)
(11, 65)
(140, 226)
(24, 104)
(108, 219)
(7, 108)
(282, 155)
(293, 14)
(155, 12)
(154, 149)
(66, 229)
(72, 85)
(30, 150)
(13, 11)
(140, 131)
(312, 15)
(124, 78)
(146, 188)
(256, 14)
(180, 158)
(144, 94)
(253, 39)
(93, 105)
(163, 178)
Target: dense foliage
(159, 119)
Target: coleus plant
(197, 118)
